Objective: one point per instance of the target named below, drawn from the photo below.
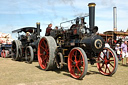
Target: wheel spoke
(101, 57)
(75, 55)
(47, 59)
(73, 69)
(79, 61)
(41, 54)
(111, 65)
(44, 58)
(102, 65)
(71, 60)
(45, 44)
(108, 69)
(109, 57)
(79, 69)
(47, 52)
(111, 60)
(80, 57)
(42, 47)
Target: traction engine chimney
(114, 19)
(38, 29)
(91, 15)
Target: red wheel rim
(108, 62)
(2, 54)
(76, 64)
(43, 53)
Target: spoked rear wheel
(15, 50)
(77, 63)
(29, 54)
(46, 52)
(109, 62)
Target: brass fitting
(91, 4)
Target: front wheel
(77, 63)
(29, 54)
(108, 62)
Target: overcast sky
(15, 14)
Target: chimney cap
(38, 23)
(91, 4)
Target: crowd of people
(121, 51)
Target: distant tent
(127, 30)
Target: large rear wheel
(108, 62)
(46, 52)
(77, 63)
(15, 50)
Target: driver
(28, 36)
(48, 29)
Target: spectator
(48, 29)
(124, 51)
(107, 45)
(117, 48)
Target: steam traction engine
(25, 48)
(77, 46)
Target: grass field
(21, 73)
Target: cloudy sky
(15, 14)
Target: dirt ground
(21, 73)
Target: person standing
(124, 51)
(48, 29)
(117, 48)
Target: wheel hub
(44, 53)
(74, 63)
(106, 61)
